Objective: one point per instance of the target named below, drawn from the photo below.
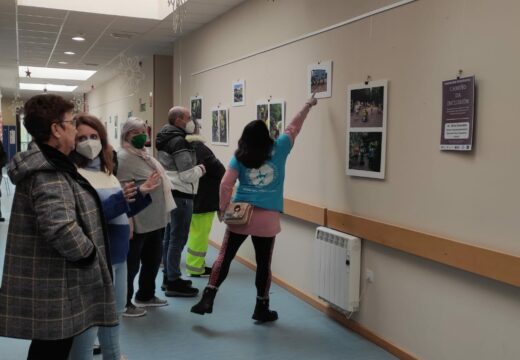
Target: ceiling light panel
(49, 87)
(56, 73)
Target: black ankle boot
(262, 312)
(205, 305)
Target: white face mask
(190, 127)
(89, 148)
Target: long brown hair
(106, 156)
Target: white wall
(431, 310)
(116, 98)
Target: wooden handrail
(311, 213)
(475, 259)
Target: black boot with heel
(262, 313)
(205, 305)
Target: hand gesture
(312, 100)
(153, 181)
(129, 191)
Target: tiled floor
(172, 332)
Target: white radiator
(337, 268)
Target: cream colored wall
(7, 112)
(116, 97)
(431, 310)
(163, 90)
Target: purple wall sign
(458, 114)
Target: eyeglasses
(72, 122)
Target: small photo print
(196, 107)
(219, 126)
(239, 93)
(319, 79)
(262, 112)
(365, 152)
(367, 107)
(272, 112)
(276, 119)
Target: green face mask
(138, 141)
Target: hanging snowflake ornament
(77, 100)
(130, 69)
(16, 105)
(179, 12)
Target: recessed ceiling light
(69, 53)
(78, 38)
(49, 87)
(62, 62)
(56, 73)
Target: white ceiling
(45, 34)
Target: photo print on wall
(196, 107)
(319, 79)
(272, 112)
(239, 93)
(366, 129)
(219, 126)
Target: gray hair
(176, 112)
(133, 123)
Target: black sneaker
(207, 272)
(163, 285)
(179, 288)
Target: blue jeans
(108, 336)
(176, 236)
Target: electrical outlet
(369, 275)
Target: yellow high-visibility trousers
(198, 242)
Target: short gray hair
(176, 112)
(133, 123)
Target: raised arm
(294, 127)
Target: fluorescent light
(55, 73)
(49, 87)
(78, 38)
(69, 53)
(62, 62)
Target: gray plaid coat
(56, 281)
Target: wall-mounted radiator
(337, 268)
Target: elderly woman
(56, 280)
(135, 164)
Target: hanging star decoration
(28, 73)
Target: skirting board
(335, 315)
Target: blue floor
(173, 332)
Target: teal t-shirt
(263, 187)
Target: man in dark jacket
(205, 205)
(179, 160)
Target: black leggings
(50, 349)
(263, 253)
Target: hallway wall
(430, 310)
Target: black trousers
(263, 254)
(145, 252)
(50, 349)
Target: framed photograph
(272, 112)
(239, 93)
(319, 79)
(196, 107)
(366, 129)
(219, 126)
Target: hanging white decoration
(179, 8)
(78, 102)
(130, 69)
(17, 105)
